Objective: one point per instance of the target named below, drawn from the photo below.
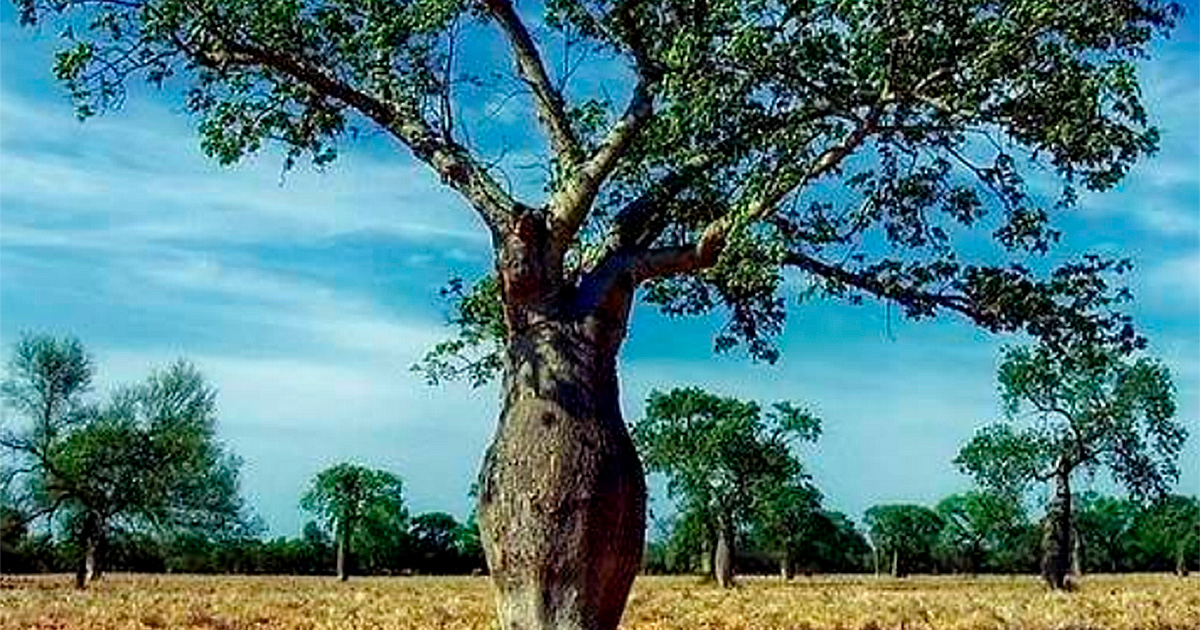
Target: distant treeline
(138, 481)
(1116, 535)
(431, 543)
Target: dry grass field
(1140, 602)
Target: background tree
(721, 456)
(1105, 527)
(435, 538)
(786, 518)
(976, 525)
(346, 496)
(904, 536)
(146, 460)
(1167, 534)
(1080, 408)
(850, 142)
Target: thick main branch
(551, 109)
(402, 118)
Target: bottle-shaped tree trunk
(1056, 540)
(562, 502)
(723, 559)
(343, 550)
(89, 543)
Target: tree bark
(1181, 568)
(89, 541)
(1056, 540)
(896, 572)
(562, 502)
(343, 551)
(723, 559)
(786, 570)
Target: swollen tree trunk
(562, 502)
(723, 559)
(343, 551)
(1056, 540)
(89, 542)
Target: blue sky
(304, 299)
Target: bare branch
(453, 162)
(550, 107)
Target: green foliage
(146, 462)
(728, 461)
(905, 535)
(977, 526)
(474, 353)
(365, 509)
(1166, 535)
(719, 453)
(1083, 407)
(787, 135)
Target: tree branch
(550, 107)
(904, 295)
(453, 162)
(573, 202)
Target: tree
(1105, 526)
(977, 524)
(147, 459)
(1167, 534)
(721, 457)
(1080, 408)
(347, 496)
(787, 516)
(435, 542)
(905, 534)
(851, 143)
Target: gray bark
(343, 550)
(562, 502)
(725, 552)
(1057, 538)
(89, 541)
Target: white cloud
(153, 185)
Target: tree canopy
(724, 458)
(978, 525)
(904, 536)
(363, 506)
(147, 460)
(704, 177)
(1083, 407)
(1088, 407)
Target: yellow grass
(1141, 602)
